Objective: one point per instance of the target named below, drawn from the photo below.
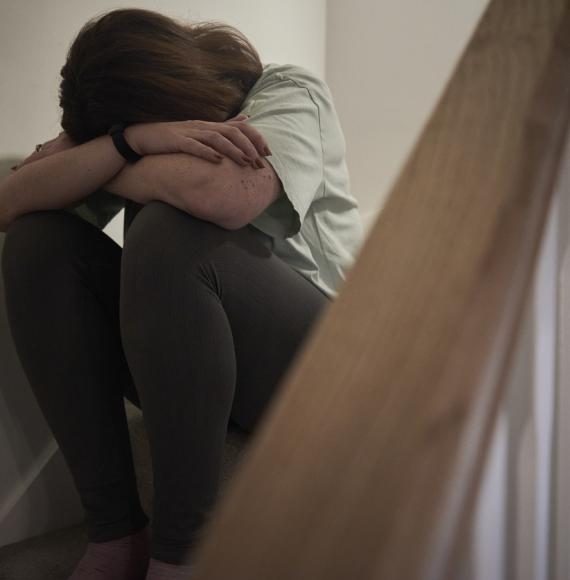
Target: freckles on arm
(240, 194)
(246, 201)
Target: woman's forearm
(144, 180)
(174, 178)
(59, 180)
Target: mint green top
(315, 225)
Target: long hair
(138, 66)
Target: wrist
(130, 134)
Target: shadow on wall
(36, 489)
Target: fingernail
(267, 151)
(259, 163)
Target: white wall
(387, 63)
(36, 492)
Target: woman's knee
(160, 230)
(165, 256)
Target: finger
(30, 158)
(232, 131)
(224, 140)
(240, 139)
(190, 145)
(43, 152)
(255, 137)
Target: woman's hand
(59, 143)
(209, 140)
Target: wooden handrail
(366, 464)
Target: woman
(239, 230)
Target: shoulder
(290, 76)
(297, 74)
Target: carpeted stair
(52, 556)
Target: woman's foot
(125, 558)
(159, 570)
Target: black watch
(117, 134)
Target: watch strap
(117, 135)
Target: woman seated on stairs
(241, 229)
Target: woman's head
(136, 65)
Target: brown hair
(138, 66)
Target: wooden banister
(367, 462)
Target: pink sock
(159, 570)
(121, 559)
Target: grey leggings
(193, 323)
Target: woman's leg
(210, 320)
(61, 277)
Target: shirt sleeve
(287, 116)
(98, 208)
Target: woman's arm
(64, 178)
(147, 179)
(220, 192)
(224, 193)
(60, 179)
